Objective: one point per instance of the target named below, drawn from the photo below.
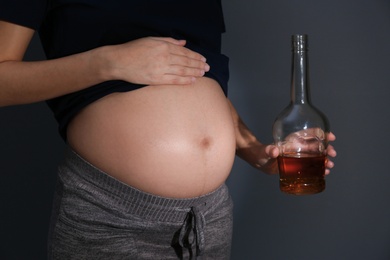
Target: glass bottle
(300, 131)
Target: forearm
(250, 149)
(149, 61)
(27, 82)
(244, 137)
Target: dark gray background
(349, 62)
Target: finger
(176, 47)
(329, 164)
(331, 151)
(272, 151)
(171, 40)
(182, 51)
(189, 62)
(185, 71)
(331, 137)
(327, 171)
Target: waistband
(79, 173)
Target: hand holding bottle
(268, 154)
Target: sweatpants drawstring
(192, 231)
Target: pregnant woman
(139, 90)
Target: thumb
(272, 151)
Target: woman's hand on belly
(174, 141)
(153, 61)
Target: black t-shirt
(72, 26)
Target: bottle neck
(300, 89)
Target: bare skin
(28, 82)
(176, 137)
(169, 140)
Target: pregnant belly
(172, 141)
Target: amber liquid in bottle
(300, 132)
(302, 173)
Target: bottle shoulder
(301, 116)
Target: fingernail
(207, 67)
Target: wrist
(100, 62)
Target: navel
(205, 142)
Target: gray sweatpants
(98, 217)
